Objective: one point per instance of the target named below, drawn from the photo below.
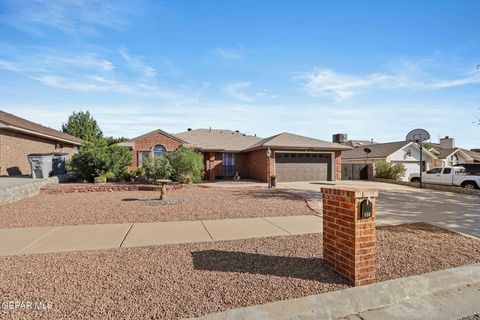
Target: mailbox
(366, 209)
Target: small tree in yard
(387, 170)
(82, 125)
(157, 168)
(187, 165)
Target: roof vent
(189, 129)
(237, 131)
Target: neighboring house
(448, 155)
(406, 153)
(20, 137)
(342, 138)
(226, 152)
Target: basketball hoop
(418, 136)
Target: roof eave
(38, 134)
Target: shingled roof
(295, 141)
(217, 140)
(379, 150)
(9, 121)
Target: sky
(370, 69)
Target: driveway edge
(350, 301)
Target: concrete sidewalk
(17, 241)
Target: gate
(354, 171)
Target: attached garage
(303, 166)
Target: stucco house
(406, 153)
(20, 137)
(226, 152)
(449, 155)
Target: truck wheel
(469, 185)
(415, 180)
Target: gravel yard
(176, 281)
(133, 206)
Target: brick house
(292, 157)
(20, 137)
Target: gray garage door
(303, 166)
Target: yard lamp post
(269, 154)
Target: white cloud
(329, 83)
(72, 17)
(242, 90)
(95, 83)
(137, 63)
(230, 54)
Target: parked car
(451, 176)
(471, 168)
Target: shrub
(387, 170)
(157, 168)
(187, 165)
(96, 158)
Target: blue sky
(371, 69)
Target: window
(141, 156)
(447, 171)
(434, 171)
(158, 150)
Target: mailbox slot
(365, 209)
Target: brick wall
(147, 142)
(349, 243)
(213, 164)
(257, 165)
(15, 146)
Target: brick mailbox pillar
(349, 242)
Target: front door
(228, 164)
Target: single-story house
(20, 137)
(404, 152)
(289, 157)
(448, 155)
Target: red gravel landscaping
(196, 203)
(177, 281)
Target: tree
(112, 140)
(82, 125)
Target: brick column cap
(354, 192)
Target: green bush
(187, 165)
(157, 168)
(387, 170)
(96, 158)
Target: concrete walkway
(15, 241)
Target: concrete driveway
(401, 204)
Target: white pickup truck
(452, 176)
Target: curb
(350, 301)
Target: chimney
(210, 129)
(340, 138)
(447, 143)
(189, 129)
